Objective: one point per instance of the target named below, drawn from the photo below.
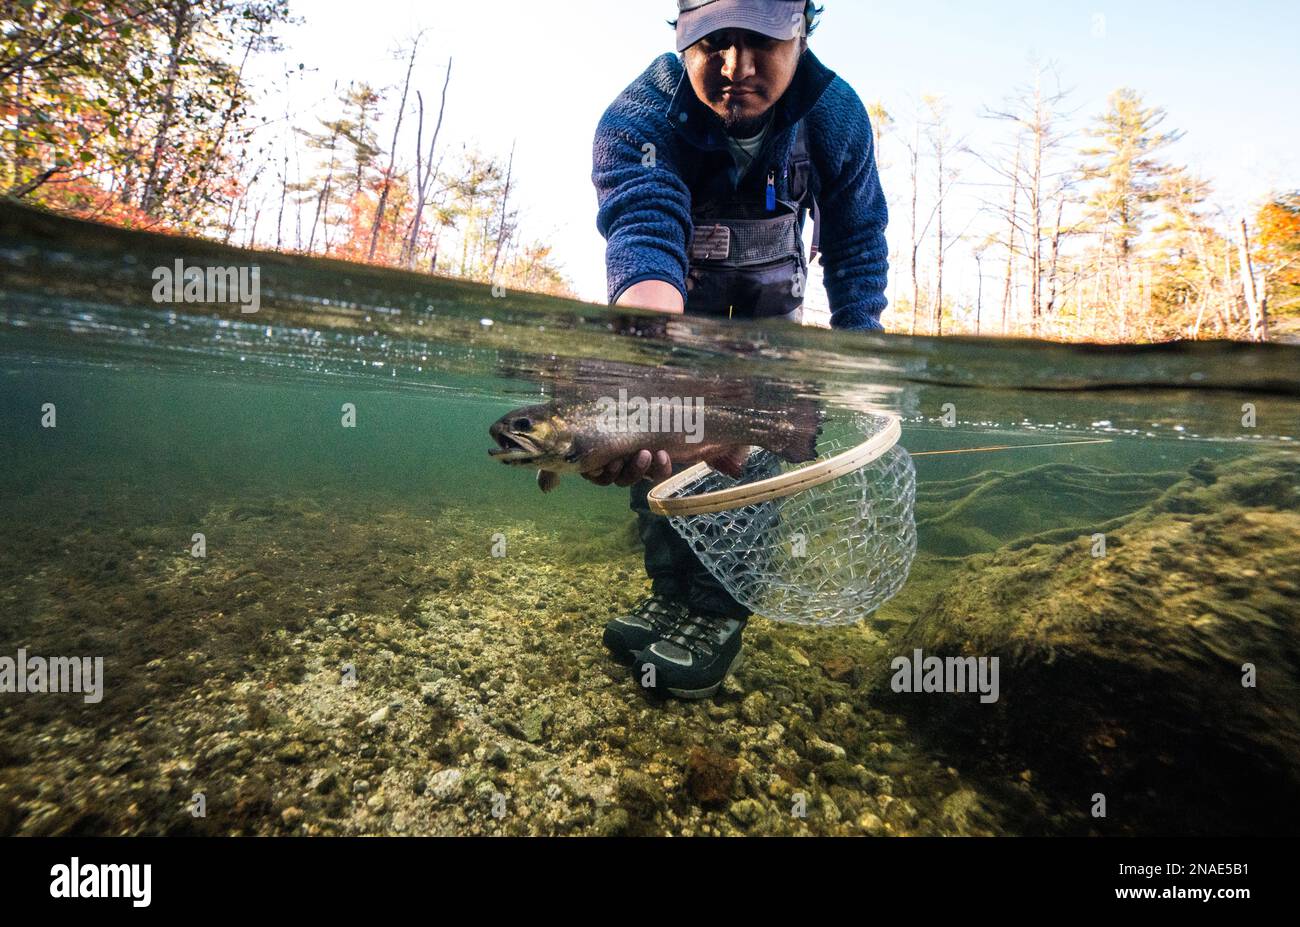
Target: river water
(320, 608)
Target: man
(705, 168)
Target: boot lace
(701, 634)
(663, 613)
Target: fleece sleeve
(855, 256)
(644, 207)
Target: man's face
(740, 75)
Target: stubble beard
(740, 126)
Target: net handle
(775, 487)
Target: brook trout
(585, 436)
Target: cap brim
(782, 20)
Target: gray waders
(746, 262)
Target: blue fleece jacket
(645, 193)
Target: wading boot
(654, 618)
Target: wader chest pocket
(748, 265)
(746, 239)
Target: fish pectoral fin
(732, 461)
(547, 480)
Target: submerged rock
(445, 784)
(746, 812)
(533, 725)
(823, 751)
(1129, 675)
(710, 776)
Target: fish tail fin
(804, 428)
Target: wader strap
(803, 153)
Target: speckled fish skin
(571, 437)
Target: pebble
(746, 812)
(292, 753)
(798, 657)
(445, 783)
(754, 708)
(327, 782)
(829, 810)
(223, 748)
(497, 756)
(871, 823)
(823, 751)
(534, 723)
(612, 823)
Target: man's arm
(644, 206)
(855, 255)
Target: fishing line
(1009, 447)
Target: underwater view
(308, 601)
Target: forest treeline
(138, 112)
(1081, 229)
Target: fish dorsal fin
(547, 480)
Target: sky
(540, 74)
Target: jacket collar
(701, 127)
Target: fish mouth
(514, 449)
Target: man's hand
(633, 469)
(658, 466)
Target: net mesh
(826, 555)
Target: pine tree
(1126, 175)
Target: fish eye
(521, 424)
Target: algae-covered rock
(710, 776)
(982, 512)
(1163, 674)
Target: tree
(1184, 249)
(942, 148)
(129, 109)
(348, 149)
(1125, 174)
(1277, 254)
(392, 153)
(425, 169)
(1038, 190)
(357, 127)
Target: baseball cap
(777, 19)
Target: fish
(585, 436)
